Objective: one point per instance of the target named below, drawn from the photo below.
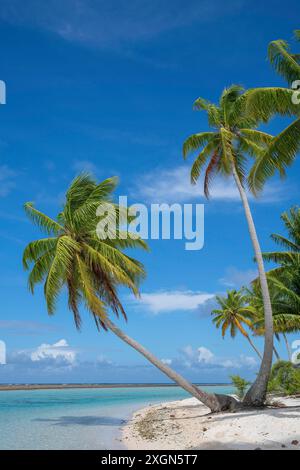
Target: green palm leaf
(196, 141)
(283, 61)
(44, 222)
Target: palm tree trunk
(215, 402)
(256, 395)
(254, 347)
(287, 347)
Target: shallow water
(76, 418)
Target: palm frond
(61, 268)
(210, 172)
(93, 303)
(45, 223)
(285, 242)
(257, 137)
(36, 249)
(280, 154)
(201, 159)
(40, 269)
(264, 103)
(278, 256)
(282, 60)
(213, 112)
(196, 141)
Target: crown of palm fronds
(265, 103)
(284, 289)
(234, 136)
(233, 314)
(73, 256)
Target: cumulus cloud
(204, 355)
(202, 358)
(59, 350)
(171, 301)
(173, 185)
(59, 362)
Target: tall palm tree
(224, 151)
(264, 103)
(234, 314)
(92, 266)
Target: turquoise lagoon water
(75, 418)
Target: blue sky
(108, 87)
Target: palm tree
(284, 279)
(286, 318)
(291, 243)
(264, 103)
(233, 315)
(224, 151)
(91, 266)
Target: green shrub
(285, 378)
(240, 385)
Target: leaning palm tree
(234, 315)
(90, 263)
(224, 151)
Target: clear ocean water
(76, 418)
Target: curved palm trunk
(287, 347)
(254, 347)
(256, 395)
(216, 403)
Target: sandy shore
(185, 424)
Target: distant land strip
(7, 387)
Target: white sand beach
(185, 424)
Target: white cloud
(205, 355)
(171, 301)
(168, 362)
(238, 278)
(59, 350)
(202, 357)
(173, 185)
